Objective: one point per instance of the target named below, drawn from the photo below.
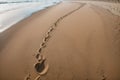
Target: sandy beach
(85, 45)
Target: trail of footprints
(41, 66)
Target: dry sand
(84, 46)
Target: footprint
(103, 78)
(40, 57)
(45, 70)
(40, 67)
(37, 56)
(46, 38)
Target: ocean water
(13, 11)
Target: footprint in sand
(40, 67)
(103, 78)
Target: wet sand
(84, 46)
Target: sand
(84, 45)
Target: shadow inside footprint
(104, 78)
(40, 66)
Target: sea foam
(12, 13)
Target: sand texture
(85, 45)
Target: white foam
(14, 14)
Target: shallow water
(13, 12)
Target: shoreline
(19, 12)
(8, 33)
